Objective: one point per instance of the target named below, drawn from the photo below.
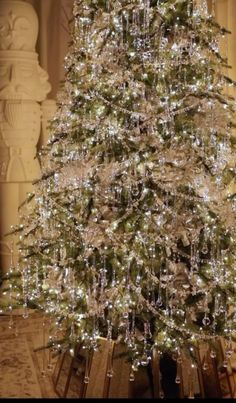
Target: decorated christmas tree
(130, 233)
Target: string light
(129, 233)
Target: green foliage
(131, 231)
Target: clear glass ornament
(225, 363)
(135, 365)
(205, 248)
(161, 394)
(86, 375)
(205, 366)
(144, 360)
(25, 311)
(131, 376)
(213, 354)
(86, 379)
(159, 302)
(110, 373)
(206, 321)
(177, 379)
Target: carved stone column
(23, 86)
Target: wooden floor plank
(32, 330)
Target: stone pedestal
(23, 87)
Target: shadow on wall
(54, 37)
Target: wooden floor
(33, 333)
(32, 330)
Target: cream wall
(53, 38)
(225, 11)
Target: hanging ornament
(87, 364)
(201, 7)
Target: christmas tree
(130, 233)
